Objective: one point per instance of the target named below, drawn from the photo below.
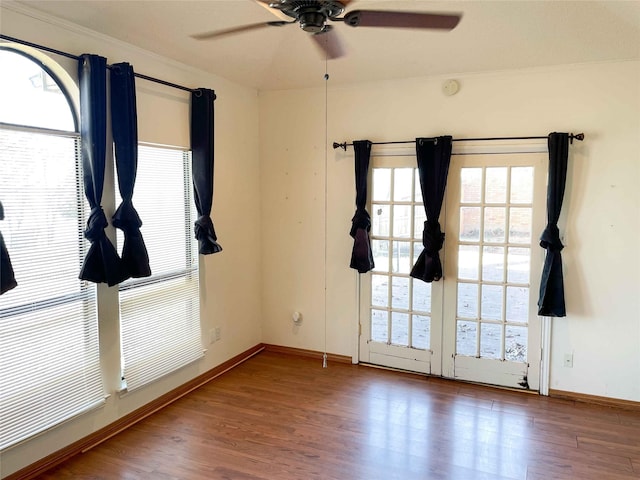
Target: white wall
(231, 279)
(601, 216)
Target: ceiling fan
(313, 15)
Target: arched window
(32, 95)
(48, 322)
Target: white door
(397, 311)
(479, 323)
(495, 214)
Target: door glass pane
(381, 191)
(468, 300)
(516, 343)
(470, 224)
(417, 250)
(421, 332)
(400, 293)
(470, 185)
(402, 184)
(496, 185)
(493, 264)
(399, 328)
(418, 224)
(466, 338)
(491, 302)
(468, 260)
(379, 326)
(380, 250)
(491, 340)
(517, 304)
(518, 263)
(520, 225)
(494, 219)
(380, 220)
(380, 290)
(521, 184)
(421, 296)
(401, 261)
(402, 221)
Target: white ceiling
(493, 35)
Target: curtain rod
(75, 57)
(577, 136)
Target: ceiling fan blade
(330, 44)
(234, 30)
(273, 11)
(381, 18)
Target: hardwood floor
(285, 417)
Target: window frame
(84, 294)
(191, 266)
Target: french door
(479, 323)
(397, 327)
(491, 331)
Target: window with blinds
(49, 352)
(160, 315)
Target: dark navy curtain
(7, 276)
(202, 168)
(102, 263)
(124, 125)
(434, 156)
(361, 255)
(551, 301)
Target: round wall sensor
(450, 87)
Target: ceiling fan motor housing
(311, 14)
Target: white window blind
(160, 315)
(49, 357)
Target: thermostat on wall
(450, 87)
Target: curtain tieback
(96, 224)
(432, 237)
(204, 230)
(550, 238)
(361, 220)
(127, 219)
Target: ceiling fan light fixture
(312, 22)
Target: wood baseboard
(595, 399)
(132, 418)
(300, 352)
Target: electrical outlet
(568, 360)
(218, 334)
(212, 336)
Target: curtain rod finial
(340, 145)
(577, 136)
